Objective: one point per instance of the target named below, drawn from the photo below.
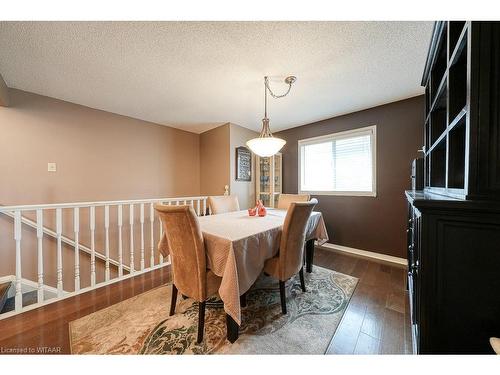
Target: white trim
(343, 193)
(96, 203)
(84, 290)
(372, 130)
(365, 254)
(68, 241)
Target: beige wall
(244, 190)
(4, 93)
(214, 160)
(99, 156)
(217, 162)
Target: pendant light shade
(266, 145)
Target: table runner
(237, 246)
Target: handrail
(30, 207)
(142, 252)
(67, 240)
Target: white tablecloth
(237, 246)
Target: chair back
(187, 249)
(284, 200)
(293, 238)
(223, 203)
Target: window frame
(372, 130)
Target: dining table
(237, 246)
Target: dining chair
(188, 259)
(495, 344)
(284, 200)
(223, 203)
(289, 260)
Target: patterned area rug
(141, 325)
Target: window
(339, 163)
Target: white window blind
(339, 163)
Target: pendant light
(267, 145)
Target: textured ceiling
(197, 75)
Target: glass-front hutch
(269, 179)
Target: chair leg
(283, 297)
(232, 329)
(243, 300)
(302, 283)
(201, 321)
(173, 301)
(309, 255)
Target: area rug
(141, 325)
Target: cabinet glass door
(265, 175)
(264, 197)
(277, 173)
(269, 180)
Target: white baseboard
(365, 254)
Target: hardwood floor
(376, 320)
(47, 326)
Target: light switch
(51, 167)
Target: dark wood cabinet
(454, 223)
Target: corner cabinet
(454, 223)
(269, 179)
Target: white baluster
(185, 202)
(142, 234)
(17, 237)
(76, 224)
(131, 221)
(120, 241)
(39, 236)
(161, 236)
(198, 207)
(204, 206)
(92, 245)
(152, 221)
(106, 245)
(59, 252)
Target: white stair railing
(41, 212)
(66, 240)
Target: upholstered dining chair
(188, 257)
(289, 260)
(495, 344)
(223, 203)
(284, 200)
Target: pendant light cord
(266, 87)
(266, 131)
(266, 83)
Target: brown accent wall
(378, 223)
